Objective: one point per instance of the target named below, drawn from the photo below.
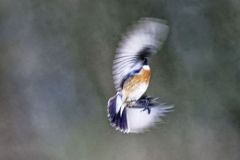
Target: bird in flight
(131, 110)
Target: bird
(130, 110)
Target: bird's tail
(135, 119)
(117, 113)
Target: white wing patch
(139, 121)
(148, 32)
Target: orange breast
(133, 83)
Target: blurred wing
(139, 120)
(147, 36)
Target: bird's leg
(146, 105)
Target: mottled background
(55, 80)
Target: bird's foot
(146, 106)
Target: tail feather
(133, 119)
(121, 121)
(116, 115)
(112, 108)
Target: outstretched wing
(144, 39)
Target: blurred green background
(55, 80)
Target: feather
(142, 40)
(139, 121)
(133, 118)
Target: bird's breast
(136, 86)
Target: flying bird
(131, 110)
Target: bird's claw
(146, 106)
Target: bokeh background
(55, 80)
